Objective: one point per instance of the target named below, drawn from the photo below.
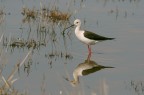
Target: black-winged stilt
(88, 37)
(85, 68)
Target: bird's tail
(107, 67)
(110, 38)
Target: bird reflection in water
(86, 68)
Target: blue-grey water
(51, 66)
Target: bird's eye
(77, 22)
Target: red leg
(89, 56)
(89, 49)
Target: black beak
(68, 27)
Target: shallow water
(49, 68)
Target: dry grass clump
(29, 14)
(45, 14)
(56, 16)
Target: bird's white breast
(80, 36)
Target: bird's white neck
(76, 77)
(77, 29)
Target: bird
(87, 37)
(85, 68)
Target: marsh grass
(47, 19)
(48, 22)
(6, 85)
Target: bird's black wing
(94, 69)
(93, 36)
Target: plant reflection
(85, 68)
(137, 87)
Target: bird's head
(77, 22)
(74, 83)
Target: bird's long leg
(89, 49)
(89, 56)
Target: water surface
(49, 68)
